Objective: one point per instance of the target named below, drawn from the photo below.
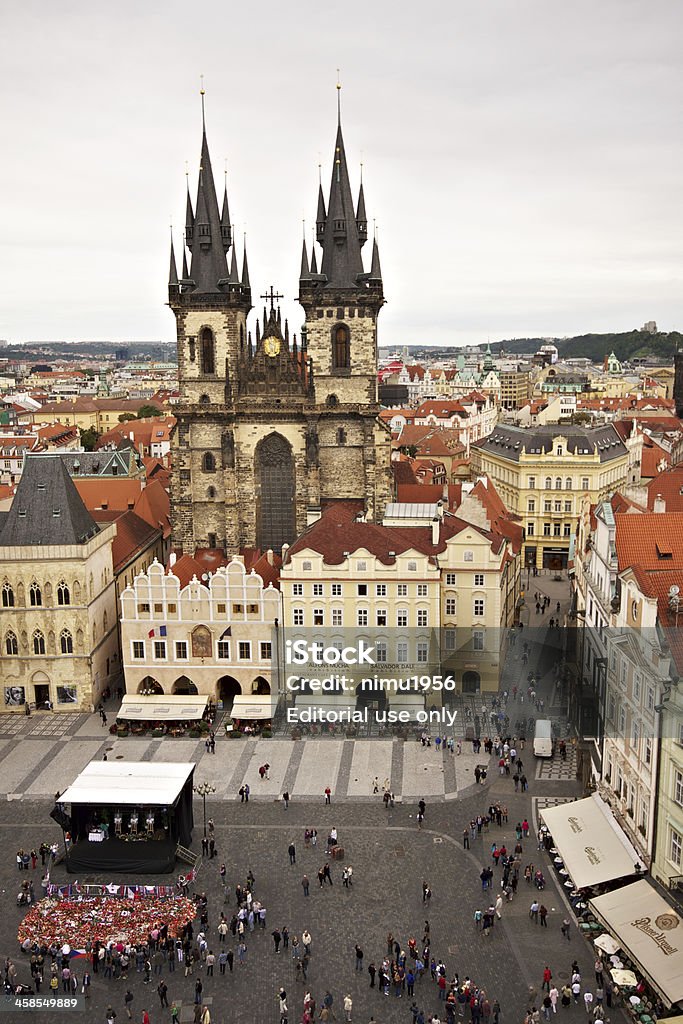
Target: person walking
(566, 925)
(588, 1002)
(305, 884)
(543, 914)
(162, 992)
(127, 1002)
(291, 850)
(328, 795)
(533, 911)
(554, 996)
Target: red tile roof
(653, 456)
(333, 536)
(670, 485)
(133, 535)
(408, 493)
(653, 541)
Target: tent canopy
(590, 842)
(162, 708)
(649, 931)
(128, 783)
(252, 707)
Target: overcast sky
(522, 159)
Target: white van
(543, 738)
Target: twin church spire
(208, 237)
(341, 231)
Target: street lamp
(203, 790)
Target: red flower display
(74, 920)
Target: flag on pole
(161, 631)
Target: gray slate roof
(509, 442)
(47, 509)
(103, 462)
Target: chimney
(659, 505)
(172, 559)
(436, 524)
(269, 557)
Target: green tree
(145, 411)
(89, 439)
(125, 417)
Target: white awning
(591, 844)
(159, 707)
(252, 707)
(128, 783)
(649, 931)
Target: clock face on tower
(271, 346)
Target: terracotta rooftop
(333, 536)
(670, 485)
(653, 541)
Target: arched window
(568, 484)
(11, 645)
(548, 483)
(38, 642)
(211, 493)
(63, 595)
(558, 483)
(341, 347)
(35, 596)
(66, 642)
(7, 595)
(207, 351)
(204, 400)
(209, 462)
(341, 436)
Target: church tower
(342, 302)
(210, 302)
(270, 428)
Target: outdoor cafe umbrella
(606, 943)
(625, 979)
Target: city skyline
(519, 166)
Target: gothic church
(269, 429)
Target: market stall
(126, 816)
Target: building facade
(58, 614)
(189, 631)
(541, 475)
(270, 427)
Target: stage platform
(147, 857)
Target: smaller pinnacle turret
(173, 270)
(305, 269)
(375, 269)
(361, 218)
(245, 269)
(226, 230)
(321, 216)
